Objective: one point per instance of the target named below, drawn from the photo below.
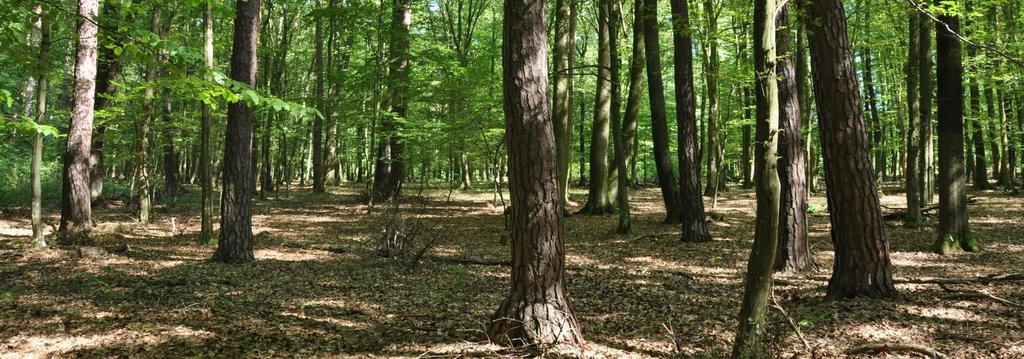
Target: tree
(76, 202)
(41, 34)
(659, 119)
(143, 127)
(536, 310)
(564, 48)
(862, 266)
(912, 175)
(390, 170)
(954, 228)
(794, 253)
(235, 242)
(926, 149)
(716, 157)
(598, 202)
(206, 171)
(695, 228)
(319, 171)
(109, 66)
(619, 157)
(758, 283)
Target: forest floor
(320, 288)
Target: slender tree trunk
(750, 341)
(954, 229)
(877, 140)
(619, 165)
(804, 91)
(716, 157)
(172, 157)
(597, 198)
(633, 98)
(746, 159)
(536, 310)
(992, 132)
(862, 265)
(41, 35)
(143, 127)
(659, 119)
(1007, 167)
(235, 242)
(926, 148)
(794, 252)
(694, 226)
(564, 48)
(205, 167)
(108, 67)
(76, 203)
(318, 131)
(913, 176)
(390, 182)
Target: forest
(512, 178)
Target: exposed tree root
(876, 348)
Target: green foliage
(15, 179)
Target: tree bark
(714, 144)
(76, 202)
(804, 91)
(143, 127)
(926, 148)
(758, 283)
(954, 228)
(321, 102)
(633, 100)
(235, 242)
(41, 35)
(391, 161)
(107, 68)
(536, 310)
(794, 253)
(564, 48)
(913, 176)
(598, 202)
(205, 166)
(619, 164)
(659, 119)
(695, 228)
(862, 266)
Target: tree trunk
(992, 132)
(235, 242)
(1007, 167)
(143, 127)
(913, 176)
(714, 144)
(750, 334)
(633, 100)
(926, 148)
(619, 164)
(804, 91)
(389, 183)
(954, 229)
(694, 226)
(536, 310)
(41, 35)
(76, 202)
(172, 157)
(794, 253)
(659, 119)
(862, 265)
(108, 67)
(205, 167)
(321, 102)
(597, 198)
(564, 48)
(746, 161)
(877, 139)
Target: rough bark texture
(598, 202)
(750, 333)
(536, 310)
(794, 252)
(695, 228)
(913, 166)
(659, 124)
(76, 203)
(205, 166)
(954, 229)
(862, 266)
(235, 242)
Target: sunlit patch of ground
(320, 288)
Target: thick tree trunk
(107, 68)
(564, 48)
(390, 161)
(862, 265)
(659, 119)
(76, 203)
(695, 228)
(954, 229)
(794, 253)
(912, 176)
(205, 167)
(598, 202)
(750, 341)
(235, 242)
(536, 310)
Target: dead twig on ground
(876, 348)
(978, 294)
(792, 324)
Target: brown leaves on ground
(318, 289)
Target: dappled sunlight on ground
(319, 286)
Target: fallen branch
(796, 328)
(473, 261)
(979, 294)
(877, 348)
(982, 280)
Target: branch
(895, 347)
(1015, 60)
